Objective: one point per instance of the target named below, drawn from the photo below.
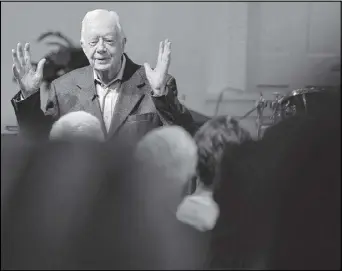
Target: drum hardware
(298, 101)
(276, 105)
(259, 106)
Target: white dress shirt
(108, 94)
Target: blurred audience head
(169, 152)
(211, 140)
(77, 126)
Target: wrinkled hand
(157, 76)
(28, 79)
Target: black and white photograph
(168, 135)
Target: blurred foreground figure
(85, 205)
(15, 153)
(280, 198)
(199, 209)
(49, 207)
(77, 125)
(167, 159)
(82, 205)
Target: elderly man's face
(102, 44)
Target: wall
(289, 46)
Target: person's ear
(82, 45)
(123, 44)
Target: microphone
(94, 97)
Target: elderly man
(127, 98)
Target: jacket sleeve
(171, 111)
(34, 123)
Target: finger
(166, 42)
(166, 57)
(15, 60)
(15, 72)
(40, 68)
(167, 48)
(20, 54)
(161, 50)
(27, 55)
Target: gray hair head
(170, 152)
(77, 125)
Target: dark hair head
(211, 140)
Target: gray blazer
(136, 112)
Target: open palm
(28, 78)
(157, 76)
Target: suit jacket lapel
(129, 96)
(85, 82)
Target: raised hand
(28, 78)
(157, 76)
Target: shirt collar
(118, 77)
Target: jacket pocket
(141, 117)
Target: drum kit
(299, 101)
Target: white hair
(170, 150)
(76, 125)
(97, 12)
